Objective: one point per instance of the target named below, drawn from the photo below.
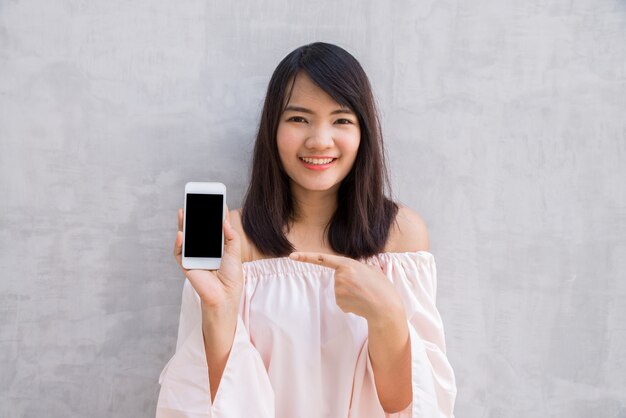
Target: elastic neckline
(285, 265)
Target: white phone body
(203, 235)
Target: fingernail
(293, 256)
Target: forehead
(304, 92)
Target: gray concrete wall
(505, 124)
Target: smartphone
(203, 235)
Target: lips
(318, 163)
(318, 160)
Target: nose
(321, 137)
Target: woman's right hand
(218, 289)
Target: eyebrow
(309, 111)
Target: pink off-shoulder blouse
(295, 354)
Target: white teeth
(317, 161)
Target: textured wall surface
(505, 125)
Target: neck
(313, 209)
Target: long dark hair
(360, 225)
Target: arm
(396, 352)
(390, 355)
(213, 342)
(218, 327)
(218, 331)
(219, 293)
(185, 391)
(388, 338)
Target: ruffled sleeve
(434, 389)
(244, 389)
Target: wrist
(387, 318)
(218, 329)
(218, 314)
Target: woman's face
(317, 138)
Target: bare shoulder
(234, 217)
(408, 232)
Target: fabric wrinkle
(295, 353)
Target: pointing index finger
(328, 260)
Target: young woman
(324, 304)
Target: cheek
(286, 142)
(350, 143)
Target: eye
(298, 119)
(343, 121)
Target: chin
(317, 187)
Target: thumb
(232, 241)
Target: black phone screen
(203, 225)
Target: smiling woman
(319, 104)
(325, 302)
(317, 139)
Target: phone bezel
(197, 187)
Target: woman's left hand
(359, 288)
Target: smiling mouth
(317, 161)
